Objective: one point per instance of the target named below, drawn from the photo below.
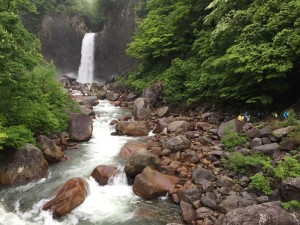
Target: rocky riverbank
(183, 158)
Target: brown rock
(179, 126)
(133, 128)
(132, 147)
(80, 127)
(50, 150)
(188, 212)
(162, 111)
(23, 165)
(151, 183)
(68, 196)
(178, 143)
(102, 174)
(142, 109)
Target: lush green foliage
(240, 163)
(260, 182)
(291, 204)
(31, 101)
(232, 139)
(288, 167)
(220, 50)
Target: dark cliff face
(61, 38)
(111, 42)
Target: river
(111, 204)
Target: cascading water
(86, 68)
(114, 203)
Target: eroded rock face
(23, 165)
(258, 215)
(102, 174)
(133, 128)
(68, 196)
(132, 147)
(290, 189)
(80, 127)
(142, 109)
(151, 183)
(50, 150)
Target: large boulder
(91, 100)
(153, 93)
(50, 150)
(151, 183)
(290, 189)
(282, 132)
(179, 126)
(23, 165)
(234, 201)
(227, 125)
(132, 147)
(98, 90)
(68, 196)
(199, 174)
(142, 109)
(178, 143)
(269, 149)
(137, 162)
(189, 195)
(80, 127)
(102, 174)
(258, 215)
(133, 128)
(112, 96)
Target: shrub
(240, 163)
(232, 139)
(261, 183)
(17, 136)
(288, 167)
(291, 204)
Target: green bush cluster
(220, 51)
(260, 182)
(232, 139)
(291, 204)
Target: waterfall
(86, 68)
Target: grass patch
(294, 204)
(232, 139)
(262, 183)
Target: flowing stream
(86, 68)
(105, 205)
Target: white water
(105, 205)
(86, 68)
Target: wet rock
(23, 165)
(151, 183)
(199, 174)
(290, 189)
(50, 150)
(178, 143)
(92, 100)
(87, 110)
(258, 215)
(80, 127)
(102, 174)
(188, 212)
(132, 147)
(179, 126)
(137, 162)
(112, 96)
(142, 109)
(189, 195)
(133, 128)
(282, 132)
(68, 196)
(269, 149)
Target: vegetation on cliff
(219, 51)
(31, 101)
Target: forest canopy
(31, 100)
(212, 51)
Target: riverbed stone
(112, 96)
(51, 151)
(178, 143)
(199, 174)
(269, 149)
(258, 215)
(179, 126)
(152, 183)
(256, 142)
(142, 109)
(137, 162)
(80, 127)
(188, 212)
(290, 189)
(133, 128)
(23, 165)
(132, 147)
(189, 195)
(102, 174)
(162, 111)
(234, 201)
(68, 196)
